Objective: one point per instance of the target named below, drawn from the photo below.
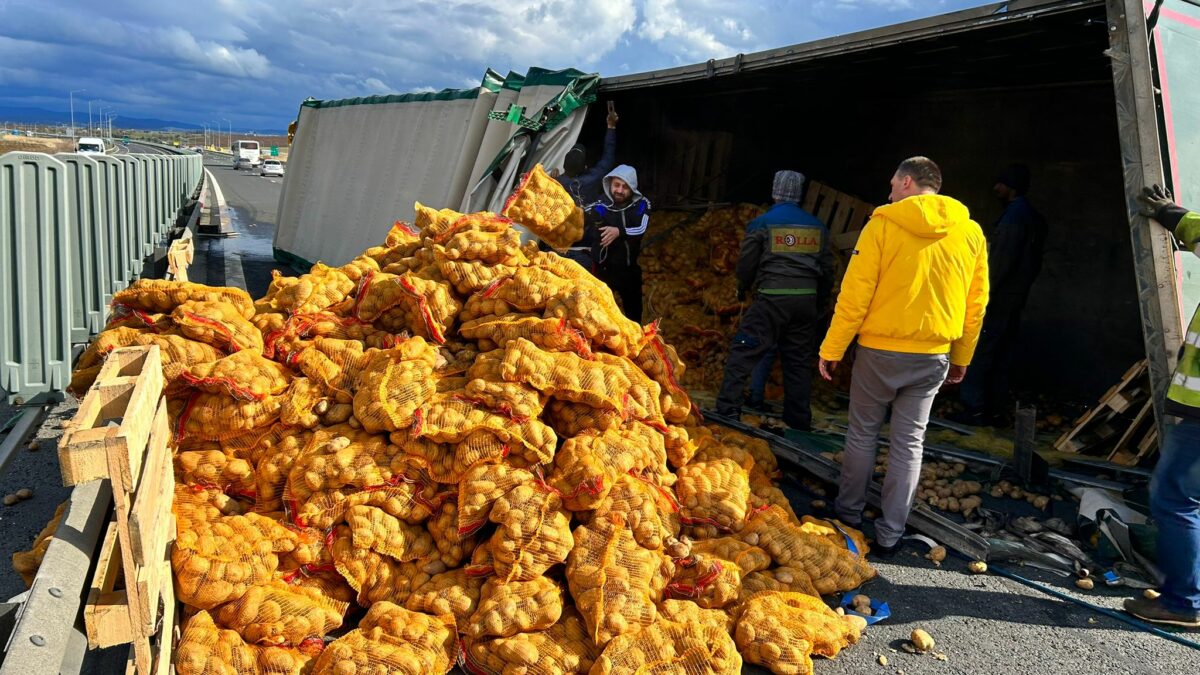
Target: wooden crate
(122, 432)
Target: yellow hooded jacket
(917, 282)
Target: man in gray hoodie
(621, 218)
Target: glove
(1154, 199)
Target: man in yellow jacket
(914, 294)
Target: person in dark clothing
(583, 183)
(620, 221)
(1015, 251)
(785, 260)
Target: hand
(1153, 199)
(826, 368)
(612, 118)
(608, 234)
(956, 374)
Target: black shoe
(882, 552)
(757, 405)
(1153, 611)
(971, 419)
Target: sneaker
(1154, 612)
(882, 552)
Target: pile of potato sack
(455, 449)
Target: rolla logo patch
(803, 240)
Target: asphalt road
(252, 202)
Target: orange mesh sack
(403, 234)
(244, 375)
(510, 399)
(159, 296)
(443, 527)
(277, 614)
(527, 289)
(835, 532)
(274, 454)
(594, 312)
(534, 533)
(566, 376)
(217, 416)
(127, 317)
(411, 302)
(747, 558)
(218, 561)
(392, 639)
(681, 447)
(763, 495)
(480, 488)
(92, 358)
(219, 324)
(831, 568)
(782, 630)
(660, 362)
(471, 276)
(448, 462)
(178, 354)
(709, 582)
(644, 393)
(379, 531)
(304, 403)
(451, 417)
(565, 647)
(669, 647)
(205, 649)
(561, 266)
(542, 205)
(393, 384)
(552, 335)
(322, 287)
(713, 496)
(506, 609)
(26, 563)
(214, 467)
(340, 472)
(454, 592)
(790, 579)
(359, 267)
(434, 223)
(493, 248)
(334, 363)
(374, 576)
(764, 458)
(615, 582)
(570, 419)
(647, 508)
(688, 612)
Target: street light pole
(230, 133)
(72, 97)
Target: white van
(90, 146)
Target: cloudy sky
(253, 61)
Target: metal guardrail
(74, 230)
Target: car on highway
(243, 163)
(272, 167)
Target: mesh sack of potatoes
(393, 384)
(123, 316)
(403, 234)
(281, 615)
(408, 302)
(784, 578)
(661, 363)
(452, 547)
(508, 608)
(335, 363)
(831, 568)
(306, 403)
(782, 631)
(472, 276)
(552, 335)
(377, 530)
(311, 552)
(454, 592)
(764, 458)
(447, 463)
(273, 454)
(219, 324)
(410, 495)
(159, 296)
(645, 403)
(527, 289)
(178, 354)
(218, 560)
(680, 445)
(670, 647)
(837, 533)
(560, 266)
(218, 416)
(615, 582)
(392, 640)
(564, 647)
(451, 417)
(688, 612)
(206, 649)
(713, 496)
(434, 223)
(566, 376)
(534, 533)
(747, 558)
(571, 419)
(196, 505)
(374, 576)
(92, 358)
(646, 506)
(26, 563)
(359, 267)
(510, 399)
(763, 495)
(594, 312)
(320, 288)
(216, 468)
(583, 473)
(244, 375)
(546, 209)
(709, 582)
(501, 247)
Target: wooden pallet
(121, 432)
(844, 214)
(1109, 419)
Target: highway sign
(274, 150)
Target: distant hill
(42, 116)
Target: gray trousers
(908, 383)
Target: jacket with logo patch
(785, 249)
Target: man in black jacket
(583, 184)
(620, 220)
(1015, 250)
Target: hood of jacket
(629, 175)
(927, 216)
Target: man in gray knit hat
(785, 259)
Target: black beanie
(573, 163)
(1015, 176)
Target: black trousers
(786, 321)
(986, 388)
(626, 284)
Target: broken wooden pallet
(121, 432)
(1108, 419)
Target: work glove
(1157, 203)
